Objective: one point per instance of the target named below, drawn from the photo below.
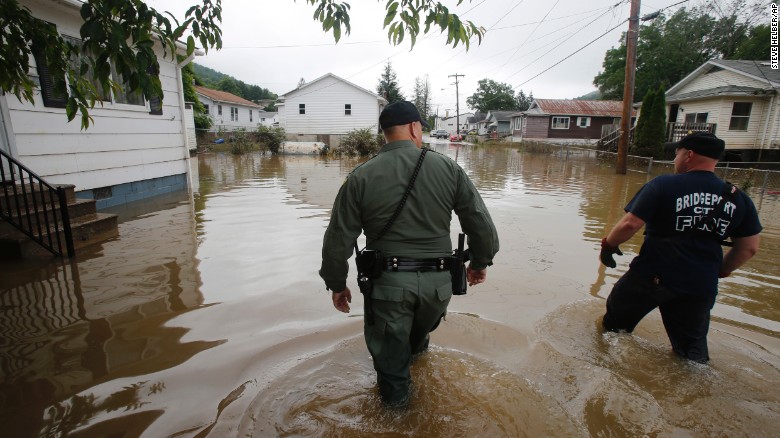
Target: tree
(640, 130)
(757, 44)
(492, 95)
(524, 102)
(202, 119)
(670, 48)
(651, 127)
(388, 85)
(121, 34)
(230, 85)
(422, 96)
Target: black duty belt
(404, 264)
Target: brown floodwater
(206, 317)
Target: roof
(501, 116)
(758, 70)
(224, 96)
(728, 90)
(604, 108)
(309, 84)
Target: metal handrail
(35, 207)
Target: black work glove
(607, 252)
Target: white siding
(720, 78)
(325, 102)
(223, 121)
(124, 143)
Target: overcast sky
(274, 43)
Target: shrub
(239, 141)
(361, 142)
(270, 138)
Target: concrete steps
(88, 227)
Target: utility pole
(628, 89)
(457, 104)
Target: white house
(268, 118)
(327, 108)
(737, 100)
(228, 111)
(133, 150)
(449, 123)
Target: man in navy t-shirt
(686, 217)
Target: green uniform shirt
(372, 192)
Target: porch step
(26, 193)
(87, 230)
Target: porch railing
(676, 131)
(35, 207)
(610, 134)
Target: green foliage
(202, 119)
(756, 46)
(404, 18)
(670, 48)
(388, 85)
(229, 84)
(239, 141)
(270, 138)
(651, 127)
(361, 142)
(524, 102)
(492, 95)
(116, 35)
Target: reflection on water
(206, 317)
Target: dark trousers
(686, 318)
(407, 306)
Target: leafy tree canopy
(422, 96)
(121, 35)
(492, 95)
(670, 48)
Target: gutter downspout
(766, 126)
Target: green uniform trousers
(407, 306)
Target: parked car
(456, 137)
(439, 133)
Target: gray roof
(728, 90)
(759, 69)
(502, 116)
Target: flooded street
(206, 317)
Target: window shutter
(52, 88)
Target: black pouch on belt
(458, 267)
(370, 263)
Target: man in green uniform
(411, 295)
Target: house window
(207, 109)
(219, 110)
(250, 115)
(560, 123)
(123, 95)
(583, 122)
(740, 116)
(347, 109)
(301, 108)
(233, 114)
(696, 117)
(262, 119)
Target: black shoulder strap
(403, 199)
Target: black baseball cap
(400, 112)
(703, 143)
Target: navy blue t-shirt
(672, 206)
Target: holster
(369, 264)
(458, 267)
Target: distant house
(450, 124)
(134, 149)
(228, 111)
(498, 122)
(735, 99)
(268, 118)
(327, 108)
(566, 120)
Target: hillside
(211, 78)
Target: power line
(572, 54)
